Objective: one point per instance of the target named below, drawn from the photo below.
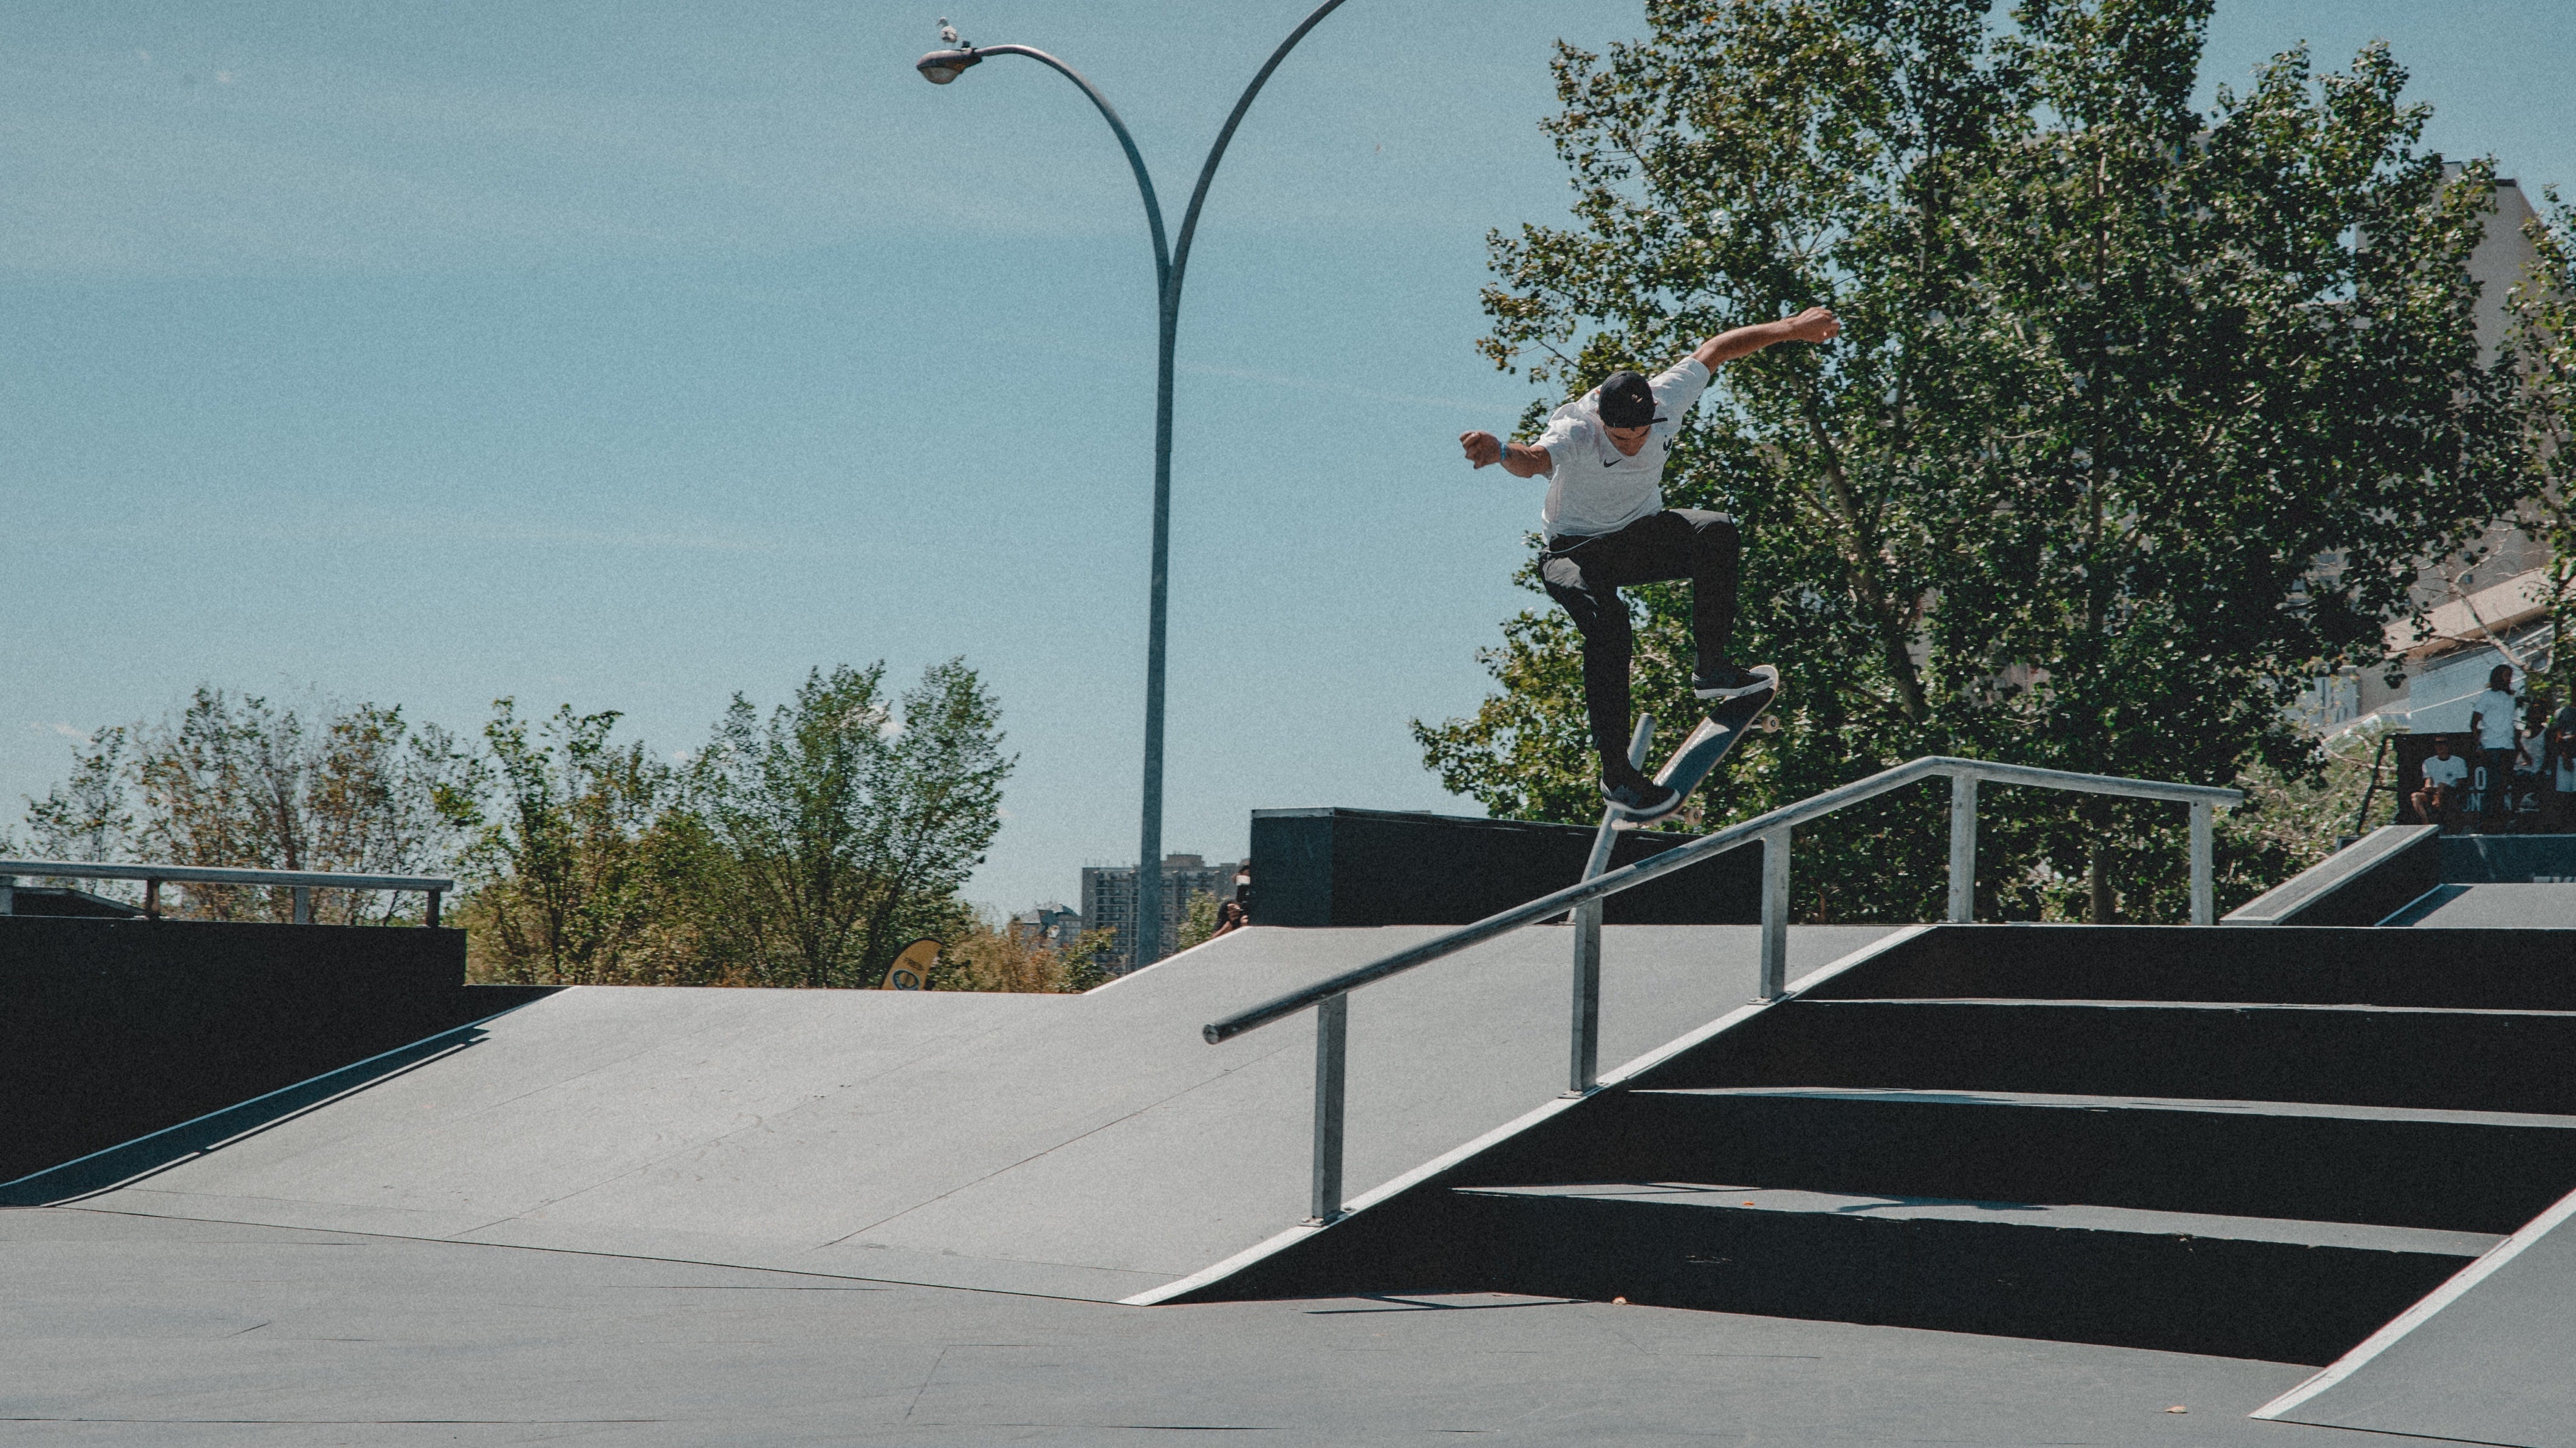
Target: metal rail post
(1332, 1032)
(1583, 1047)
(8, 894)
(1583, 1037)
(151, 899)
(432, 921)
(1963, 847)
(1775, 914)
(303, 904)
(2204, 903)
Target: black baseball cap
(1626, 400)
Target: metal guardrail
(1331, 998)
(302, 882)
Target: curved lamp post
(940, 67)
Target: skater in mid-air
(1607, 527)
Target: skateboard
(1719, 732)
(1689, 765)
(1701, 752)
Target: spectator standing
(2493, 733)
(2437, 802)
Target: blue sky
(632, 355)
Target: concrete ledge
(2360, 884)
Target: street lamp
(940, 67)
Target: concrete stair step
(2449, 1060)
(2453, 969)
(2397, 1166)
(2271, 1288)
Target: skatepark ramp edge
(1330, 998)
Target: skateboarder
(1607, 527)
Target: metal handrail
(302, 882)
(1331, 997)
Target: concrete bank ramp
(2484, 1359)
(1071, 1146)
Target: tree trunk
(1858, 545)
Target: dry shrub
(994, 956)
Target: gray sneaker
(1641, 800)
(1727, 681)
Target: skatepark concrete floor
(118, 1329)
(2510, 906)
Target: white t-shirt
(2451, 771)
(1593, 488)
(2494, 709)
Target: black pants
(2497, 805)
(1585, 575)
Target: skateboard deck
(1706, 746)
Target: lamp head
(940, 67)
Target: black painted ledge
(113, 1029)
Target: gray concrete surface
(2526, 907)
(2485, 1360)
(128, 1330)
(1087, 1147)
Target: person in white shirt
(2491, 731)
(2438, 802)
(1607, 528)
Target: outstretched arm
(1518, 458)
(1816, 324)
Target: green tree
(1198, 920)
(235, 780)
(2137, 414)
(939, 806)
(89, 817)
(2541, 351)
(848, 822)
(583, 863)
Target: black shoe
(1727, 681)
(1641, 799)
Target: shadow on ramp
(129, 1162)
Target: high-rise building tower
(1109, 901)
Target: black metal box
(1385, 867)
